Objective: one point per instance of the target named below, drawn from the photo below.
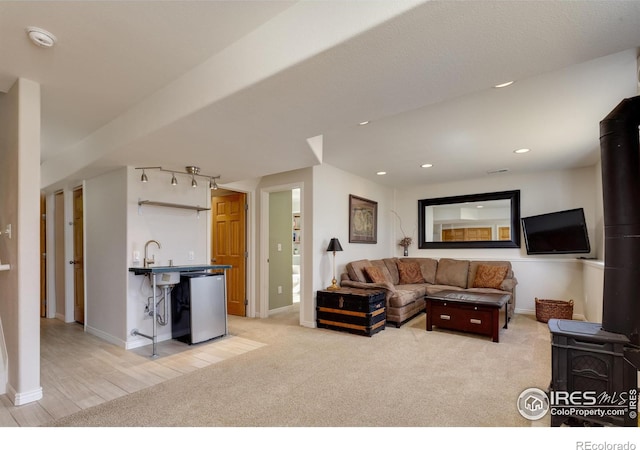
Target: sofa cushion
(402, 297)
(428, 268)
(452, 272)
(383, 268)
(355, 269)
(489, 276)
(374, 274)
(392, 267)
(473, 268)
(409, 272)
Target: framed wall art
(363, 220)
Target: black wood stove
(596, 364)
(588, 364)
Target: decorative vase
(406, 250)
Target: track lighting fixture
(194, 171)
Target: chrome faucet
(147, 261)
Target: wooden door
(504, 233)
(466, 234)
(454, 234)
(477, 234)
(78, 259)
(229, 246)
(43, 257)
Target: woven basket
(553, 309)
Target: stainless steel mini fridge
(199, 307)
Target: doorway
(59, 263)
(285, 239)
(281, 239)
(266, 241)
(78, 257)
(297, 243)
(228, 245)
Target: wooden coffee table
(470, 312)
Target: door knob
(73, 262)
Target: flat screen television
(556, 232)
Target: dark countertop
(165, 269)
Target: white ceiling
(238, 87)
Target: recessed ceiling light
(40, 37)
(426, 165)
(522, 150)
(364, 123)
(381, 173)
(480, 206)
(501, 85)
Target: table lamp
(334, 246)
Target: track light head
(194, 171)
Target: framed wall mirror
(490, 220)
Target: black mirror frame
(512, 196)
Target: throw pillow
(490, 276)
(374, 274)
(409, 272)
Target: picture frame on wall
(363, 220)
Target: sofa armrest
(386, 286)
(509, 284)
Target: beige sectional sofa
(407, 280)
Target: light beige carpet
(316, 378)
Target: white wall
(20, 207)
(105, 228)
(593, 282)
(116, 227)
(538, 276)
(179, 231)
(332, 187)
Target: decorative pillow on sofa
(409, 272)
(490, 276)
(374, 274)
(428, 268)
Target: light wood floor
(79, 370)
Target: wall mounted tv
(556, 232)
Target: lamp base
(334, 285)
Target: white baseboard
(22, 398)
(532, 312)
(134, 342)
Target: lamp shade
(334, 245)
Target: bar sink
(167, 278)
